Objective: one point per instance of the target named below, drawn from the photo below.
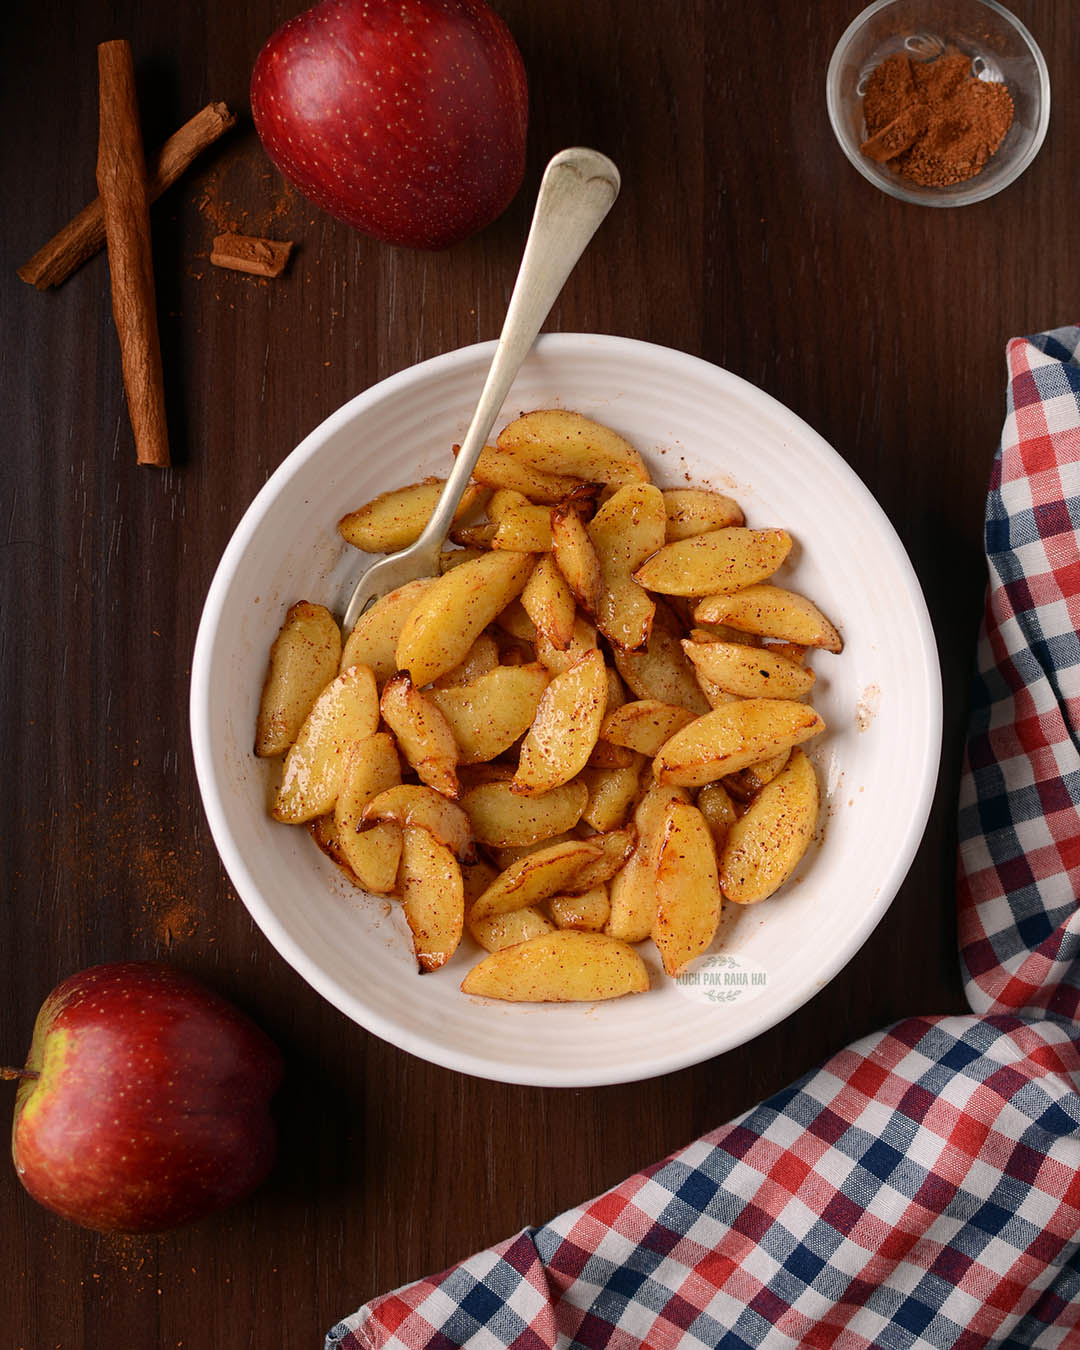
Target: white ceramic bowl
(881, 700)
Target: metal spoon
(578, 189)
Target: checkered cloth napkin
(921, 1188)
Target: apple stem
(7, 1074)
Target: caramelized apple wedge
(772, 612)
(372, 853)
(345, 712)
(559, 442)
(688, 899)
(432, 896)
(303, 660)
(732, 737)
(395, 519)
(763, 847)
(561, 967)
(566, 727)
(422, 732)
(454, 611)
(487, 715)
(502, 818)
(721, 560)
(627, 529)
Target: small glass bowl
(1001, 49)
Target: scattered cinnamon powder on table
(933, 121)
(138, 867)
(216, 205)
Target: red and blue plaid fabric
(921, 1188)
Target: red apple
(404, 118)
(145, 1102)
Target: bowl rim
(896, 189)
(428, 1047)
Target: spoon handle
(578, 189)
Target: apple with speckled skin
(145, 1100)
(404, 118)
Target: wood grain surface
(743, 236)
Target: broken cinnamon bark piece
(898, 135)
(246, 253)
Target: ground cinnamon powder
(933, 121)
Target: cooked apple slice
(749, 672)
(502, 818)
(524, 528)
(733, 737)
(566, 727)
(455, 609)
(714, 692)
(303, 660)
(644, 725)
(747, 783)
(632, 890)
(715, 804)
(549, 603)
(422, 732)
(612, 793)
(616, 690)
(488, 715)
(395, 519)
(688, 899)
(772, 612)
(500, 469)
(587, 912)
(374, 638)
(559, 660)
(605, 755)
(507, 930)
(498, 771)
(763, 848)
(661, 669)
(613, 849)
(481, 657)
(477, 535)
(476, 877)
(561, 967)
(535, 876)
(720, 632)
(375, 856)
(721, 560)
(693, 511)
(432, 896)
(575, 555)
(374, 853)
(505, 858)
(323, 830)
(450, 558)
(416, 804)
(555, 441)
(503, 500)
(346, 711)
(627, 529)
(514, 619)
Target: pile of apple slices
(582, 734)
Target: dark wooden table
(743, 236)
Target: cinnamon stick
(121, 178)
(83, 236)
